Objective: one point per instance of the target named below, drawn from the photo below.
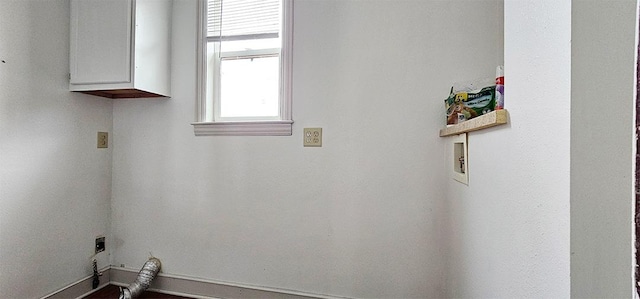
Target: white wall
(509, 229)
(362, 216)
(55, 186)
(602, 92)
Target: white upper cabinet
(121, 48)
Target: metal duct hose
(145, 276)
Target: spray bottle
(499, 87)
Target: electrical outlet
(100, 245)
(103, 140)
(312, 137)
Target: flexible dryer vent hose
(142, 282)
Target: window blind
(243, 19)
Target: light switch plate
(312, 137)
(103, 140)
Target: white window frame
(206, 125)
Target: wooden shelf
(491, 119)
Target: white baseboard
(82, 287)
(207, 289)
(180, 286)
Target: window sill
(244, 128)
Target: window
(244, 67)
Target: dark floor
(113, 291)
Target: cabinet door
(100, 41)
